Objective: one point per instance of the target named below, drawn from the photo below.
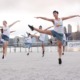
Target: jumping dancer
(41, 38)
(28, 42)
(57, 32)
(5, 36)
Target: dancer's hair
(1, 30)
(40, 27)
(29, 34)
(55, 11)
(5, 21)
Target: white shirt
(58, 26)
(6, 31)
(42, 37)
(28, 39)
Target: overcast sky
(26, 10)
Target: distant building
(69, 28)
(76, 36)
(11, 42)
(18, 41)
(69, 32)
(65, 30)
(78, 28)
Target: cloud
(38, 6)
(27, 9)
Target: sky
(26, 10)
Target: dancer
(5, 36)
(28, 42)
(57, 32)
(41, 38)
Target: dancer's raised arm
(14, 23)
(65, 18)
(32, 35)
(47, 19)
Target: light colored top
(28, 39)
(42, 37)
(58, 26)
(6, 31)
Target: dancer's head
(29, 34)
(55, 13)
(5, 23)
(40, 27)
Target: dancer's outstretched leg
(43, 50)
(41, 31)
